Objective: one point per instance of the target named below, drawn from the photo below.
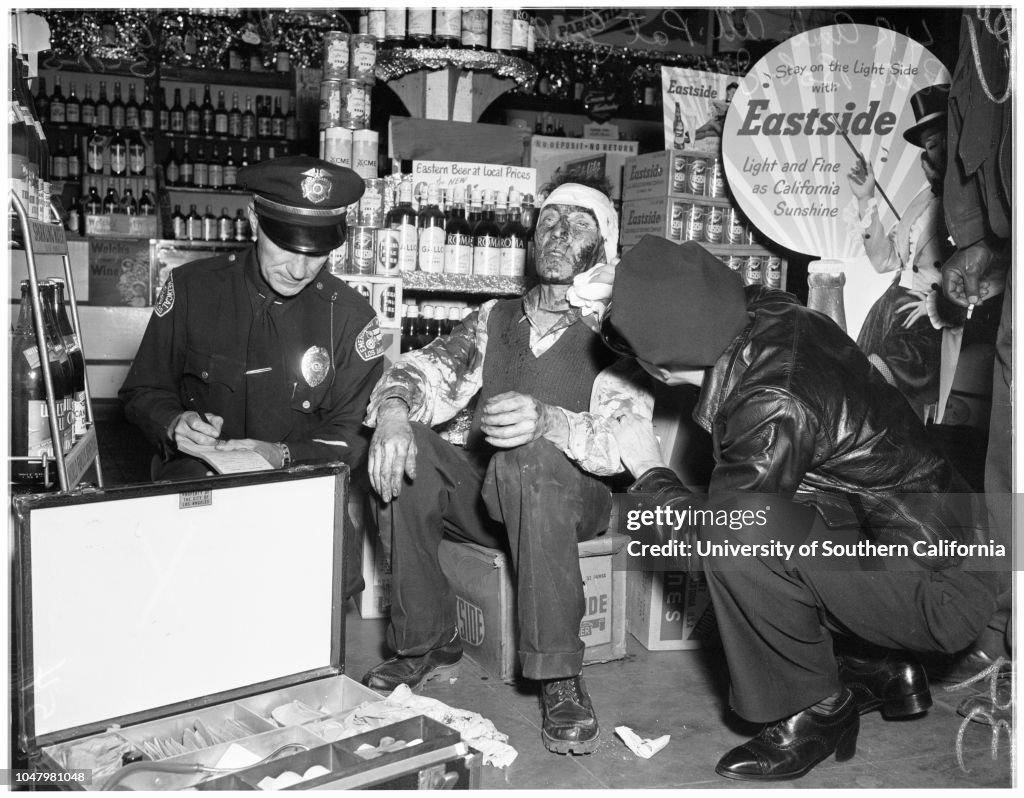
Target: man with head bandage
(530, 477)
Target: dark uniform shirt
(326, 352)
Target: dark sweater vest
(563, 376)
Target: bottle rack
(42, 238)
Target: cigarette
(970, 310)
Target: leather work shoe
(992, 705)
(897, 685)
(964, 667)
(416, 671)
(790, 748)
(570, 724)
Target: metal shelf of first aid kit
(43, 238)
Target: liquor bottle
(408, 328)
(58, 107)
(111, 202)
(179, 224)
(680, 135)
(216, 169)
(172, 168)
(76, 216)
(376, 23)
(263, 115)
(474, 28)
(72, 106)
(209, 225)
(277, 121)
(248, 119)
(102, 107)
(129, 205)
(132, 112)
(243, 231)
(147, 207)
(512, 262)
(94, 146)
(59, 167)
(501, 29)
(75, 160)
(419, 24)
(30, 417)
(427, 329)
(88, 107)
(93, 202)
(448, 27)
(42, 100)
(136, 154)
(186, 168)
(193, 116)
(163, 113)
(458, 238)
(225, 226)
(403, 219)
(528, 219)
(500, 210)
(220, 116)
(201, 169)
(432, 233)
(117, 108)
(520, 30)
(177, 114)
(487, 241)
(230, 170)
(475, 209)
(118, 154)
(73, 346)
(291, 121)
(235, 118)
(207, 113)
(147, 113)
(194, 225)
(394, 27)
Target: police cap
(301, 201)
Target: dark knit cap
(301, 201)
(676, 306)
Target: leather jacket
(796, 410)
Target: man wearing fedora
(263, 349)
(807, 431)
(897, 336)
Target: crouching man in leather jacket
(799, 416)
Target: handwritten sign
(802, 117)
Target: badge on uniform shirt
(316, 185)
(315, 365)
(369, 342)
(166, 299)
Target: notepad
(226, 462)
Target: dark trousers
(777, 618)
(530, 501)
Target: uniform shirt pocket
(214, 369)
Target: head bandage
(594, 201)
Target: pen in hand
(203, 417)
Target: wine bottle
(179, 224)
(88, 107)
(147, 113)
(207, 113)
(42, 100)
(277, 121)
(103, 107)
(75, 160)
(216, 169)
(58, 108)
(136, 154)
(248, 119)
(194, 226)
(512, 262)
(129, 205)
(403, 218)
(209, 225)
(193, 116)
(458, 255)
(118, 154)
(225, 226)
(201, 169)
(111, 202)
(177, 114)
(186, 168)
(94, 147)
(172, 168)
(132, 112)
(220, 116)
(487, 241)
(147, 207)
(76, 357)
(235, 118)
(448, 27)
(431, 234)
(73, 106)
(117, 108)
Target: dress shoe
(570, 724)
(790, 748)
(964, 667)
(896, 685)
(416, 671)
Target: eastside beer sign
(803, 116)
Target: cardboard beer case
(167, 628)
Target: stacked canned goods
(345, 91)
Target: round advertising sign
(805, 115)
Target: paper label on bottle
(432, 246)
(487, 256)
(458, 255)
(512, 261)
(408, 247)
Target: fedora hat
(929, 105)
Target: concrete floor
(684, 694)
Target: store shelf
(256, 80)
(515, 101)
(233, 192)
(462, 283)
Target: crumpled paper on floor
(641, 746)
(403, 704)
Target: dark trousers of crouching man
(530, 501)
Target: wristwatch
(286, 454)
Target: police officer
(263, 349)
